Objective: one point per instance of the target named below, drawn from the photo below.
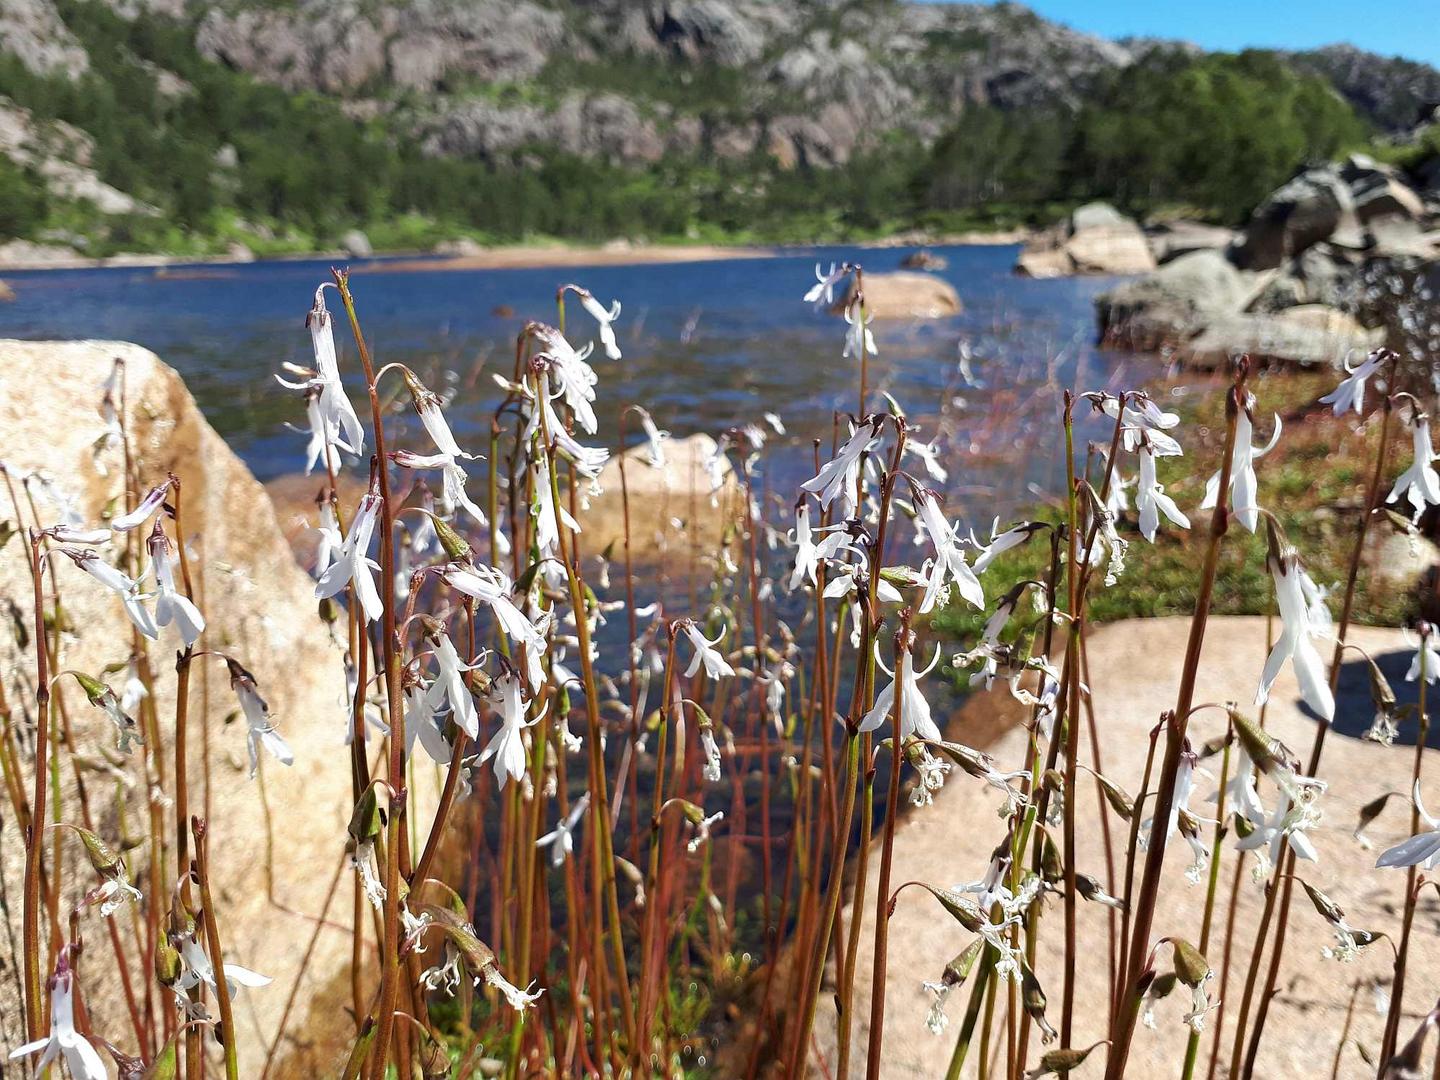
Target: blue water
(707, 346)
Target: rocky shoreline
(1342, 258)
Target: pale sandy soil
(1134, 667)
(540, 256)
(523, 256)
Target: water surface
(707, 346)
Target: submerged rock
(906, 294)
(924, 260)
(671, 506)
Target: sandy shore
(539, 257)
(526, 256)
(506, 257)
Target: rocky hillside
(626, 83)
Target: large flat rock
(260, 608)
(950, 842)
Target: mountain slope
(281, 122)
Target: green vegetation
(224, 158)
(1213, 132)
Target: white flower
(64, 1041)
(257, 716)
(452, 477)
(78, 534)
(118, 581)
(846, 583)
(420, 723)
(450, 685)
(352, 563)
(1200, 1004)
(949, 563)
(1286, 825)
(604, 318)
(1107, 540)
(1321, 624)
(329, 540)
(507, 746)
(929, 455)
(1419, 484)
(561, 839)
(1243, 483)
(808, 554)
(574, 378)
(716, 666)
(915, 719)
(988, 648)
(859, 341)
(134, 690)
(1117, 499)
(492, 587)
(1422, 849)
(1241, 795)
(1151, 500)
(840, 475)
(710, 750)
(822, 293)
(548, 514)
(518, 999)
(773, 419)
(427, 406)
(1180, 801)
(337, 416)
(1143, 421)
(936, 1020)
(444, 976)
(1296, 641)
(319, 445)
(365, 864)
(171, 605)
(654, 439)
(152, 502)
(198, 969)
(127, 730)
(1350, 394)
(702, 831)
(1000, 542)
(588, 460)
(116, 891)
(1426, 662)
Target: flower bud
(367, 820)
(1191, 968)
(167, 961)
(455, 545)
(1052, 869)
(958, 970)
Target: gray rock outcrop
(1095, 239)
(1341, 258)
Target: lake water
(707, 346)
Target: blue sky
(1408, 28)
